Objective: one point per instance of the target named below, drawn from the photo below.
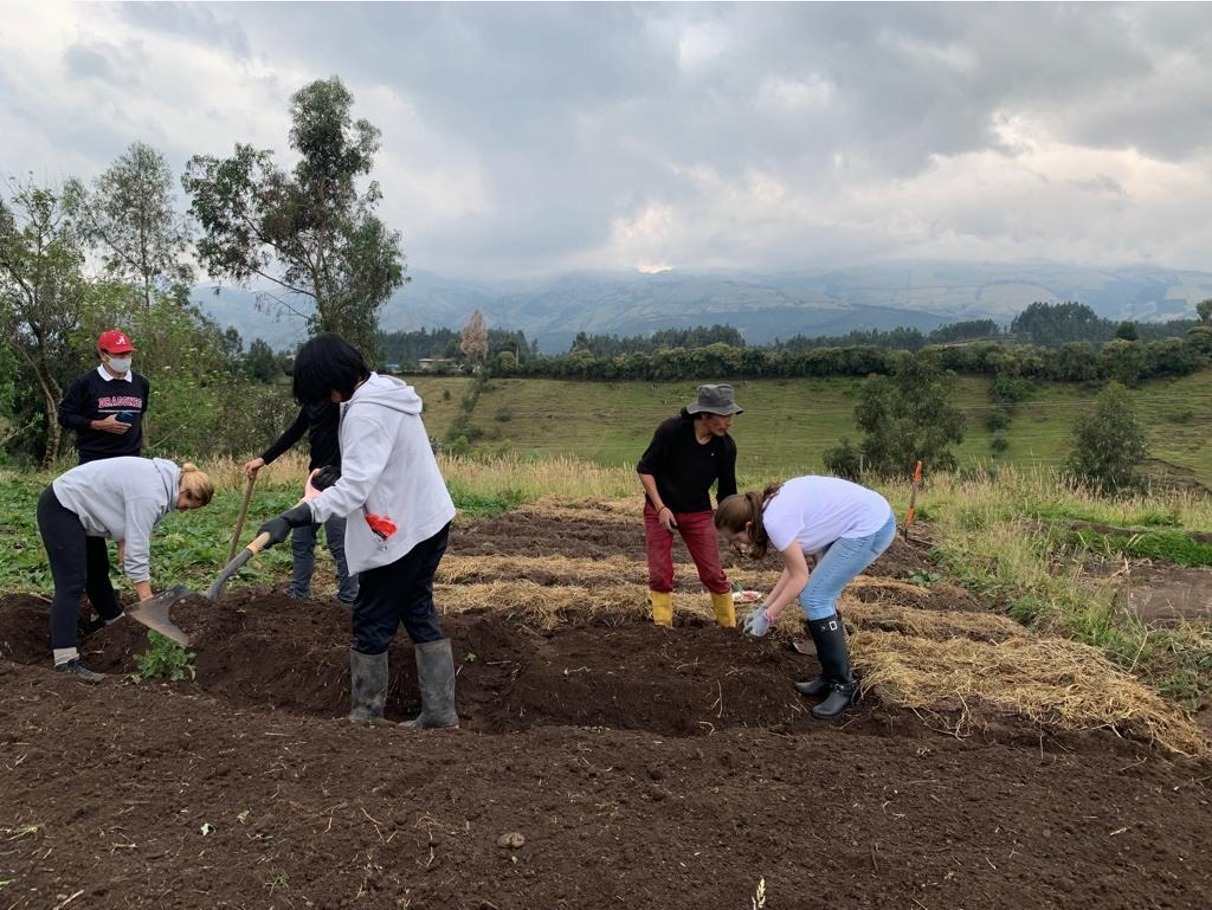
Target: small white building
(438, 365)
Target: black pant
(78, 564)
(400, 593)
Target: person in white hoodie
(119, 499)
(398, 513)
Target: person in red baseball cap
(105, 406)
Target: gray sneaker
(78, 670)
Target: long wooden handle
(235, 538)
(259, 542)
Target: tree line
(77, 258)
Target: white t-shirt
(816, 511)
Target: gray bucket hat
(714, 399)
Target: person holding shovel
(398, 514)
(843, 525)
(121, 499)
(689, 454)
(320, 421)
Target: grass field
(789, 424)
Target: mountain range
(764, 307)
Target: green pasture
(788, 424)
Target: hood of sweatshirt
(388, 392)
(170, 477)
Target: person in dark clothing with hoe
(105, 406)
(321, 421)
(688, 454)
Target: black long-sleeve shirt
(321, 422)
(93, 397)
(685, 469)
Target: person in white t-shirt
(844, 527)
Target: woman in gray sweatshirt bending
(121, 499)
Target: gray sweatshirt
(122, 499)
(390, 489)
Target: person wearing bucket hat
(105, 406)
(689, 454)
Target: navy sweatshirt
(91, 397)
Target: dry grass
(929, 624)
(586, 572)
(1055, 683)
(606, 511)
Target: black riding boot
(831, 649)
(820, 685)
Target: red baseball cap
(115, 342)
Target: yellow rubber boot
(725, 610)
(662, 608)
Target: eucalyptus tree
(130, 216)
(311, 233)
(1109, 445)
(42, 289)
(909, 416)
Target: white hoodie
(389, 476)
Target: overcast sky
(537, 138)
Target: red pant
(698, 530)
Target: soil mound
(640, 766)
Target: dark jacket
(321, 422)
(91, 397)
(685, 470)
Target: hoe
(154, 612)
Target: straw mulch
(1056, 683)
(605, 511)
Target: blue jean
(303, 546)
(841, 563)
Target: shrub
(844, 461)
(1108, 445)
(164, 659)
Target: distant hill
(763, 307)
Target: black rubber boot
(819, 686)
(367, 686)
(436, 678)
(830, 639)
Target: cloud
(530, 138)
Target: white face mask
(120, 364)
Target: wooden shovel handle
(259, 542)
(235, 538)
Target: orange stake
(917, 482)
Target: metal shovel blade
(153, 613)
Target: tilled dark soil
(608, 763)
